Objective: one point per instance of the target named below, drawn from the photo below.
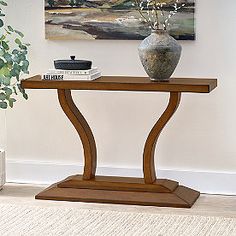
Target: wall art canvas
(110, 19)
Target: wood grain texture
(106, 189)
(206, 205)
(84, 131)
(150, 145)
(125, 83)
(186, 194)
(120, 197)
(119, 183)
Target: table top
(125, 83)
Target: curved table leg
(84, 131)
(150, 145)
(113, 189)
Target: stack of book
(84, 75)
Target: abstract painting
(110, 19)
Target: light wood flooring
(210, 205)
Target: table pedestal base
(121, 190)
(88, 187)
(91, 188)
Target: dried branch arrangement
(153, 13)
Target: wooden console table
(124, 190)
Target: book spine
(82, 77)
(74, 72)
(50, 76)
(95, 76)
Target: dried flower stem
(152, 8)
(139, 3)
(156, 13)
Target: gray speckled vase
(159, 54)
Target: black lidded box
(72, 64)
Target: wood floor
(210, 205)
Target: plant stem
(157, 18)
(163, 16)
(140, 12)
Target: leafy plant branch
(13, 62)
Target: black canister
(72, 64)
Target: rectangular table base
(180, 197)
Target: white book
(74, 72)
(50, 76)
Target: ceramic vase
(159, 54)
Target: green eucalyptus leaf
(10, 28)
(3, 3)
(11, 101)
(3, 105)
(2, 63)
(8, 91)
(7, 31)
(1, 23)
(8, 57)
(16, 58)
(16, 67)
(6, 81)
(22, 57)
(3, 37)
(26, 63)
(5, 45)
(25, 96)
(17, 41)
(19, 33)
(2, 52)
(5, 71)
(25, 52)
(15, 51)
(14, 89)
(10, 104)
(23, 47)
(15, 72)
(9, 64)
(3, 96)
(20, 88)
(25, 66)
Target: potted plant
(159, 52)
(13, 64)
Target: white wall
(202, 134)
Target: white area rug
(25, 220)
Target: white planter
(2, 168)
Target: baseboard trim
(32, 172)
